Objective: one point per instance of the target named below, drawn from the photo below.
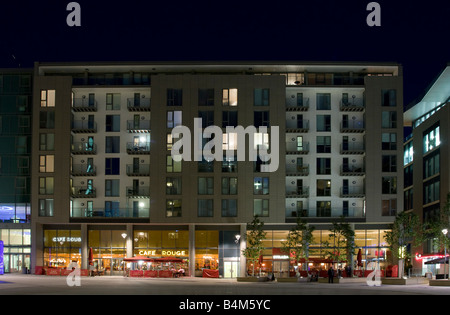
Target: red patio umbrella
(91, 257)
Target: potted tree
(405, 230)
(343, 246)
(297, 243)
(254, 238)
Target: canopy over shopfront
(441, 260)
(139, 258)
(168, 259)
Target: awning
(441, 260)
(138, 258)
(168, 259)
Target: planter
(436, 283)
(403, 281)
(292, 279)
(252, 279)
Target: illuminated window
(46, 163)
(229, 141)
(431, 139)
(174, 118)
(261, 185)
(261, 207)
(46, 185)
(47, 98)
(229, 97)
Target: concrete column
(84, 247)
(129, 240)
(192, 250)
(243, 246)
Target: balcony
(297, 170)
(353, 148)
(138, 104)
(352, 192)
(297, 192)
(84, 126)
(138, 170)
(302, 105)
(84, 105)
(354, 126)
(138, 192)
(299, 126)
(82, 192)
(83, 148)
(352, 105)
(324, 213)
(138, 148)
(292, 148)
(140, 126)
(352, 170)
(296, 213)
(84, 212)
(83, 170)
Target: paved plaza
(22, 284)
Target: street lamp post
(445, 231)
(238, 237)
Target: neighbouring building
(15, 168)
(426, 167)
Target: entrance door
(230, 269)
(16, 261)
(281, 268)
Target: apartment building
(104, 176)
(425, 164)
(15, 169)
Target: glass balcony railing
(138, 192)
(84, 105)
(85, 212)
(83, 170)
(138, 169)
(83, 192)
(84, 148)
(138, 148)
(84, 126)
(138, 104)
(138, 126)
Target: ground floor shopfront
(204, 249)
(16, 251)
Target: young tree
(406, 229)
(343, 242)
(255, 236)
(433, 229)
(298, 240)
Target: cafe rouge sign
(156, 252)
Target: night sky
(414, 34)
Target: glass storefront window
(61, 247)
